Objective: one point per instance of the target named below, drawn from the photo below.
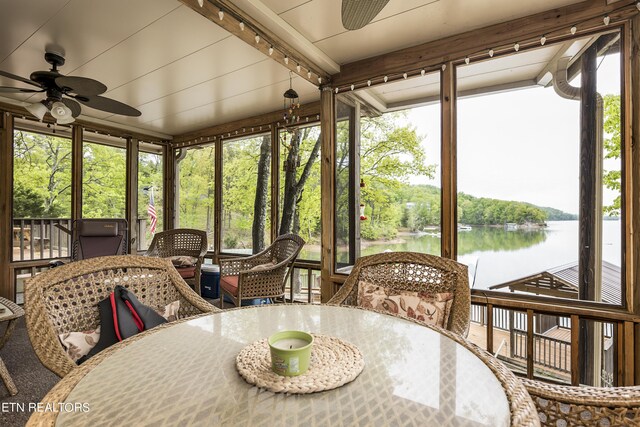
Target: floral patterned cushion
(79, 344)
(183, 260)
(171, 311)
(427, 307)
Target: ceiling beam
(281, 28)
(554, 24)
(256, 35)
(253, 125)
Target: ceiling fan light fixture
(38, 109)
(59, 111)
(66, 120)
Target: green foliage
(239, 177)
(486, 211)
(612, 178)
(558, 215)
(103, 181)
(150, 175)
(196, 184)
(390, 153)
(41, 176)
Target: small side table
(10, 314)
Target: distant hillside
(558, 215)
(421, 208)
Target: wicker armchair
(262, 275)
(182, 242)
(408, 271)
(64, 299)
(585, 406)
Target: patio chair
(92, 238)
(585, 406)
(65, 299)
(181, 242)
(262, 275)
(412, 272)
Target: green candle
(290, 352)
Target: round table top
(186, 375)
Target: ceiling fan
(358, 13)
(60, 88)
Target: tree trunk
(262, 191)
(292, 188)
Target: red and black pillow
(122, 316)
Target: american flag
(151, 210)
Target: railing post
(489, 308)
(575, 350)
(530, 348)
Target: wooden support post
(631, 183)
(354, 183)
(449, 211)
(587, 234)
(7, 283)
(530, 343)
(217, 203)
(77, 136)
(629, 362)
(327, 179)
(132, 194)
(275, 182)
(489, 328)
(169, 187)
(575, 350)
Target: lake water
(497, 255)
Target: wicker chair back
(413, 271)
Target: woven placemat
(334, 363)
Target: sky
(520, 145)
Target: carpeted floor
(31, 378)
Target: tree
(42, 171)
(390, 153)
(612, 178)
(261, 199)
(294, 180)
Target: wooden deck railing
(618, 326)
(39, 238)
(548, 352)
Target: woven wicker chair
(239, 281)
(65, 299)
(560, 405)
(408, 271)
(182, 242)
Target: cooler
(210, 281)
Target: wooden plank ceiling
(185, 73)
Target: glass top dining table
(185, 374)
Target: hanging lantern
(362, 184)
(291, 103)
(363, 217)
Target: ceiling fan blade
(358, 13)
(21, 79)
(81, 85)
(109, 105)
(7, 89)
(73, 106)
